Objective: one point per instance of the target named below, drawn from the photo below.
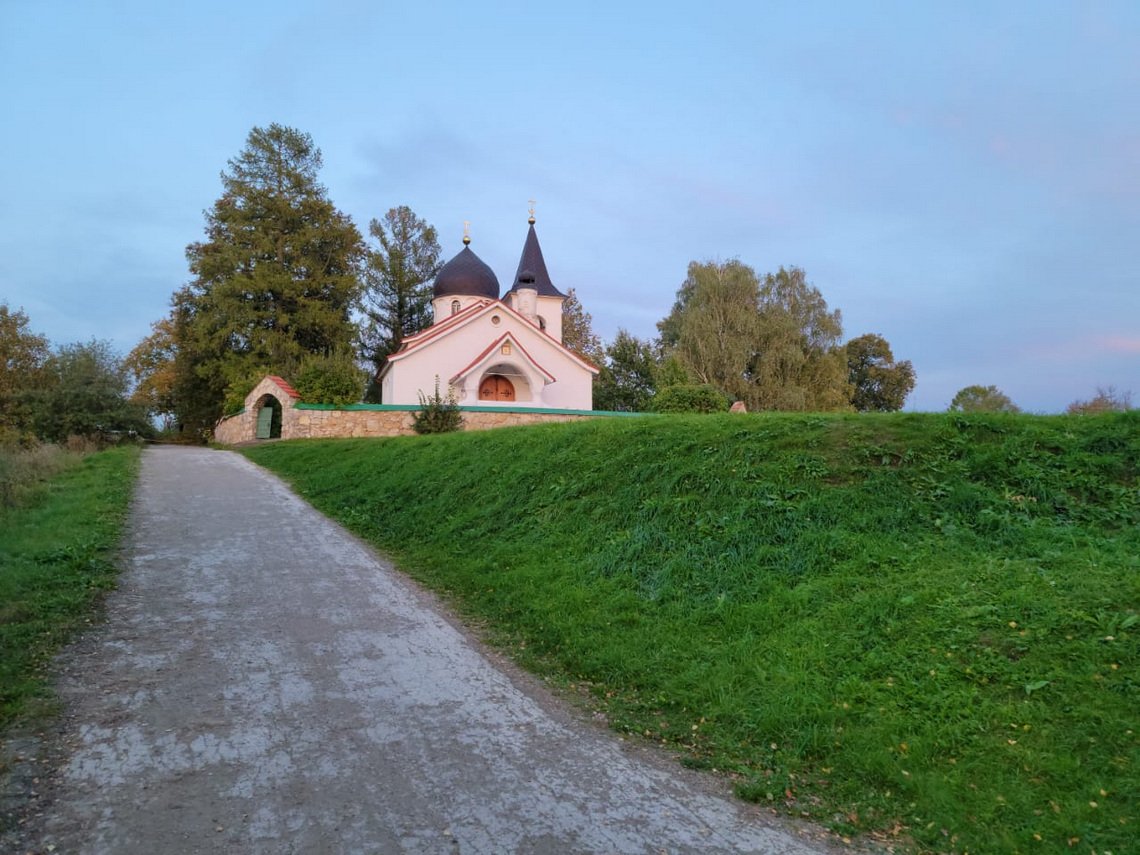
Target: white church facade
(489, 349)
(501, 355)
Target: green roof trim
(414, 408)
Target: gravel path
(263, 682)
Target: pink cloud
(1120, 343)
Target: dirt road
(265, 683)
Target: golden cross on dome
(531, 220)
(466, 232)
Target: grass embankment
(918, 626)
(57, 542)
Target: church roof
(471, 314)
(466, 275)
(532, 268)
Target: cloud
(1120, 344)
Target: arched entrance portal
(496, 387)
(268, 418)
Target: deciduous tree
(23, 355)
(150, 365)
(398, 273)
(799, 364)
(879, 383)
(628, 375)
(275, 278)
(772, 343)
(1106, 400)
(982, 399)
(714, 327)
(85, 393)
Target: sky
(962, 178)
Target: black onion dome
(466, 276)
(532, 269)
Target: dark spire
(531, 272)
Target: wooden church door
(496, 388)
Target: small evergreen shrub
(438, 414)
(689, 398)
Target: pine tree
(398, 274)
(578, 330)
(275, 278)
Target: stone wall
(322, 424)
(235, 429)
(300, 422)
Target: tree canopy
(772, 343)
(150, 365)
(982, 399)
(85, 393)
(578, 330)
(23, 355)
(628, 375)
(879, 383)
(1106, 400)
(275, 278)
(396, 298)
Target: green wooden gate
(265, 422)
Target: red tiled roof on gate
(285, 387)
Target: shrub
(330, 379)
(438, 414)
(238, 388)
(24, 469)
(686, 398)
(1104, 401)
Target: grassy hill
(920, 627)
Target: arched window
(455, 307)
(542, 323)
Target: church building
(492, 350)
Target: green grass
(918, 627)
(57, 548)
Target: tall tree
(772, 343)
(275, 278)
(629, 375)
(714, 327)
(982, 399)
(799, 362)
(23, 355)
(578, 330)
(879, 383)
(150, 365)
(396, 300)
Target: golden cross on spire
(531, 220)
(466, 232)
